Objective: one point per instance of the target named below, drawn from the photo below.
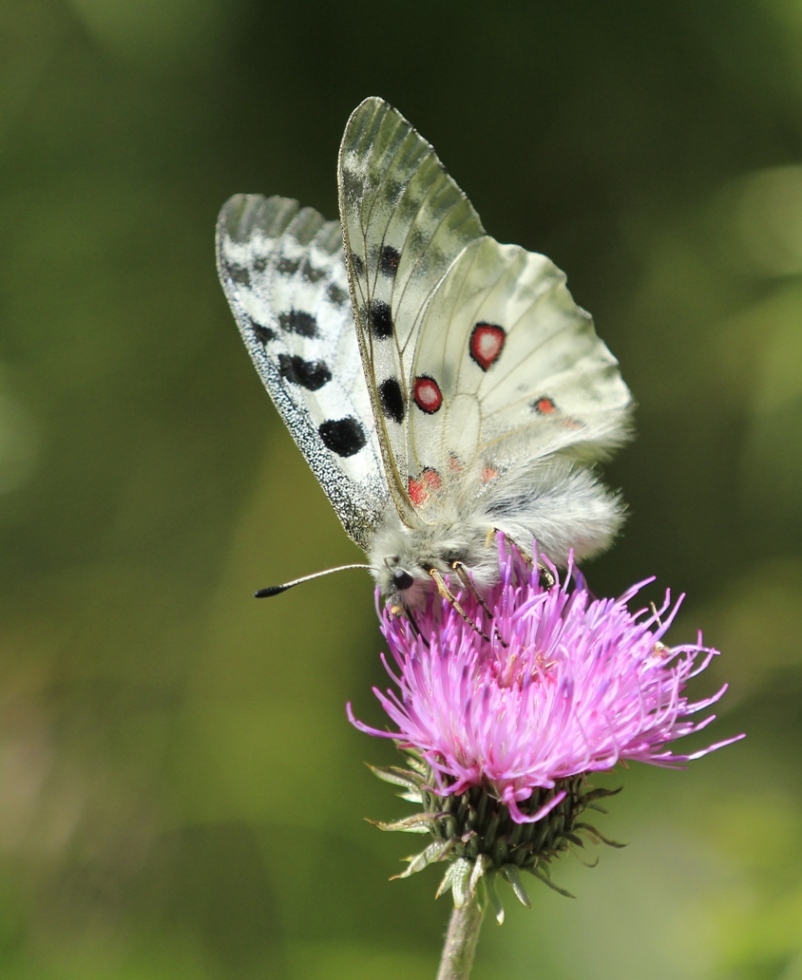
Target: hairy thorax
(407, 561)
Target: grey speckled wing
(283, 273)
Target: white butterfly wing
(405, 222)
(283, 273)
(508, 369)
(476, 357)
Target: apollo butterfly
(439, 384)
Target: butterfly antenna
(272, 590)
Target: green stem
(463, 932)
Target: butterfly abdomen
(560, 505)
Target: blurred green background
(181, 795)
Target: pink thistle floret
(561, 684)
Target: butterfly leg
(413, 625)
(544, 572)
(467, 583)
(493, 531)
(449, 596)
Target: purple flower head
(534, 687)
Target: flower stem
(463, 932)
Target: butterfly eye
(402, 580)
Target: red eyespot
(431, 478)
(486, 344)
(544, 406)
(420, 487)
(417, 492)
(426, 394)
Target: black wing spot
(263, 334)
(409, 206)
(239, 274)
(288, 267)
(311, 273)
(392, 191)
(388, 261)
(352, 185)
(300, 322)
(381, 319)
(337, 294)
(260, 264)
(311, 375)
(343, 436)
(391, 399)
(357, 265)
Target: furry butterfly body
(440, 385)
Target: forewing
(509, 370)
(283, 273)
(405, 222)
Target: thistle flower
(503, 705)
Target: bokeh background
(181, 795)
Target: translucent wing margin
(284, 276)
(405, 222)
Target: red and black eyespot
(543, 405)
(486, 344)
(426, 394)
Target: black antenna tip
(271, 590)
(278, 589)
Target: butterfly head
(403, 584)
(409, 562)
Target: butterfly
(440, 385)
